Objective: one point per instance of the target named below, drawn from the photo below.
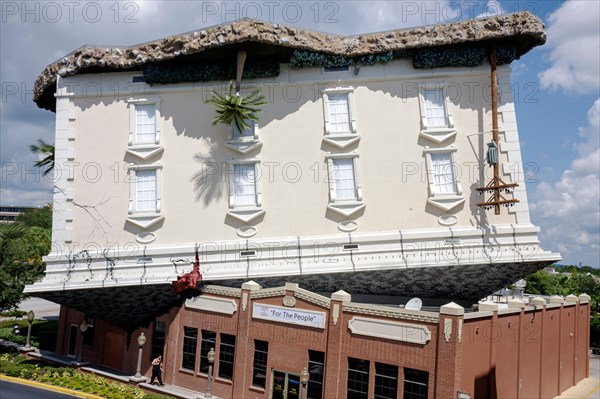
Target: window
(226, 356)
(316, 363)
(158, 338)
(145, 190)
(246, 141)
(144, 116)
(340, 120)
(244, 184)
(343, 178)
(436, 117)
(209, 340)
(144, 195)
(386, 381)
(345, 193)
(415, 384)
(358, 378)
(190, 340)
(259, 368)
(245, 200)
(89, 335)
(445, 191)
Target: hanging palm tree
(233, 107)
(46, 151)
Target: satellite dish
(414, 304)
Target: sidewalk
(588, 388)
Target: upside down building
(382, 166)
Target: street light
(304, 376)
(141, 341)
(30, 317)
(83, 327)
(211, 359)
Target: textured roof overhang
(522, 30)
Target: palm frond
(47, 152)
(235, 108)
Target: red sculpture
(191, 280)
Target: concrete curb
(50, 387)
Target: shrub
(157, 396)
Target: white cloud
(574, 40)
(568, 210)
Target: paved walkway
(588, 388)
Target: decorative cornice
(268, 292)
(224, 291)
(312, 298)
(523, 30)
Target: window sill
(438, 134)
(446, 202)
(346, 208)
(243, 146)
(144, 151)
(341, 140)
(256, 389)
(145, 220)
(186, 371)
(245, 214)
(223, 381)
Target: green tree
(21, 250)
(41, 217)
(46, 152)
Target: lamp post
(211, 359)
(30, 317)
(83, 328)
(141, 341)
(304, 376)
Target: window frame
(245, 213)
(223, 351)
(358, 394)
(133, 103)
(133, 169)
(244, 144)
(344, 207)
(437, 134)
(379, 377)
(316, 379)
(340, 139)
(206, 343)
(445, 201)
(185, 343)
(409, 395)
(260, 367)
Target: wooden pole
(494, 77)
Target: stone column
(333, 386)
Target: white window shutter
(231, 176)
(449, 118)
(255, 130)
(326, 113)
(331, 179)
(157, 122)
(257, 177)
(351, 110)
(423, 109)
(131, 123)
(357, 180)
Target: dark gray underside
(130, 307)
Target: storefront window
(190, 340)
(226, 356)
(358, 378)
(209, 340)
(261, 353)
(316, 363)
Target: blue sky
(557, 104)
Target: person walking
(157, 367)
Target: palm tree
(46, 152)
(233, 107)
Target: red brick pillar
(335, 366)
(585, 298)
(244, 348)
(449, 351)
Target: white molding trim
(245, 213)
(343, 139)
(345, 207)
(392, 330)
(445, 202)
(436, 134)
(212, 304)
(243, 145)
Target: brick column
(587, 298)
(573, 299)
(449, 351)
(335, 367)
(557, 299)
(491, 307)
(243, 348)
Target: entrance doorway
(72, 347)
(285, 385)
